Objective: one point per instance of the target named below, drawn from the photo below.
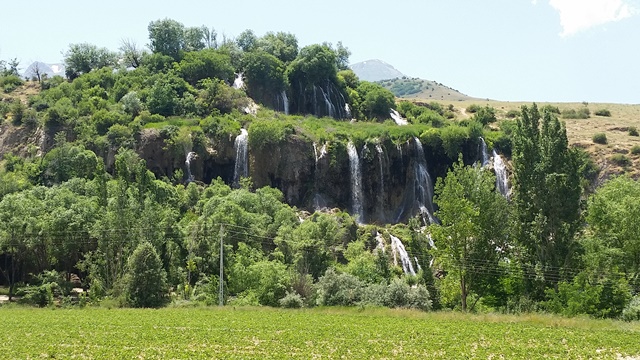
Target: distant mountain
(50, 70)
(421, 89)
(375, 70)
(403, 86)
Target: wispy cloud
(580, 15)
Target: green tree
(84, 57)
(205, 64)
(547, 194)
(166, 37)
(472, 236)
(247, 40)
(612, 215)
(376, 101)
(265, 77)
(282, 45)
(145, 283)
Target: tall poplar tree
(546, 197)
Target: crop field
(235, 333)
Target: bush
(292, 300)
(633, 131)
(10, 83)
(603, 112)
(620, 159)
(582, 113)
(512, 114)
(631, 312)
(419, 298)
(635, 150)
(473, 108)
(485, 115)
(263, 133)
(338, 289)
(600, 138)
(453, 137)
(145, 281)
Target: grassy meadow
(235, 333)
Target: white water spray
(242, 162)
(398, 118)
(190, 157)
(238, 83)
(484, 152)
(285, 102)
(502, 182)
(423, 184)
(356, 183)
(398, 249)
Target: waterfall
(190, 157)
(356, 183)
(330, 108)
(499, 167)
(347, 110)
(484, 153)
(242, 164)
(381, 197)
(397, 118)
(238, 83)
(423, 184)
(319, 201)
(285, 102)
(398, 250)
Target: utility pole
(220, 281)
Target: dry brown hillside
(610, 156)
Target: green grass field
(204, 333)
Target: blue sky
(518, 50)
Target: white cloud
(579, 15)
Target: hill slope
(421, 89)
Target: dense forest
(154, 176)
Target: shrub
(511, 114)
(473, 108)
(582, 113)
(10, 83)
(485, 115)
(600, 138)
(419, 298)
(551, 109)
(620, 159)
(633, 131)
(453, 137)
(292, 300)
(603, 112)
(145, 281)
(635, 150)
(338, 289)
(263, 133)
(631, 312)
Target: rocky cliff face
(312, 179)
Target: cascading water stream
(381, 242)
(502, 182)
(484, 152)
(381, 197)
(190, 157)
(285, 102)
(423, 184)
(398, 249)
(241, 168)
(318, 200)
(357, 196)
(238, 83)
(397, 117)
